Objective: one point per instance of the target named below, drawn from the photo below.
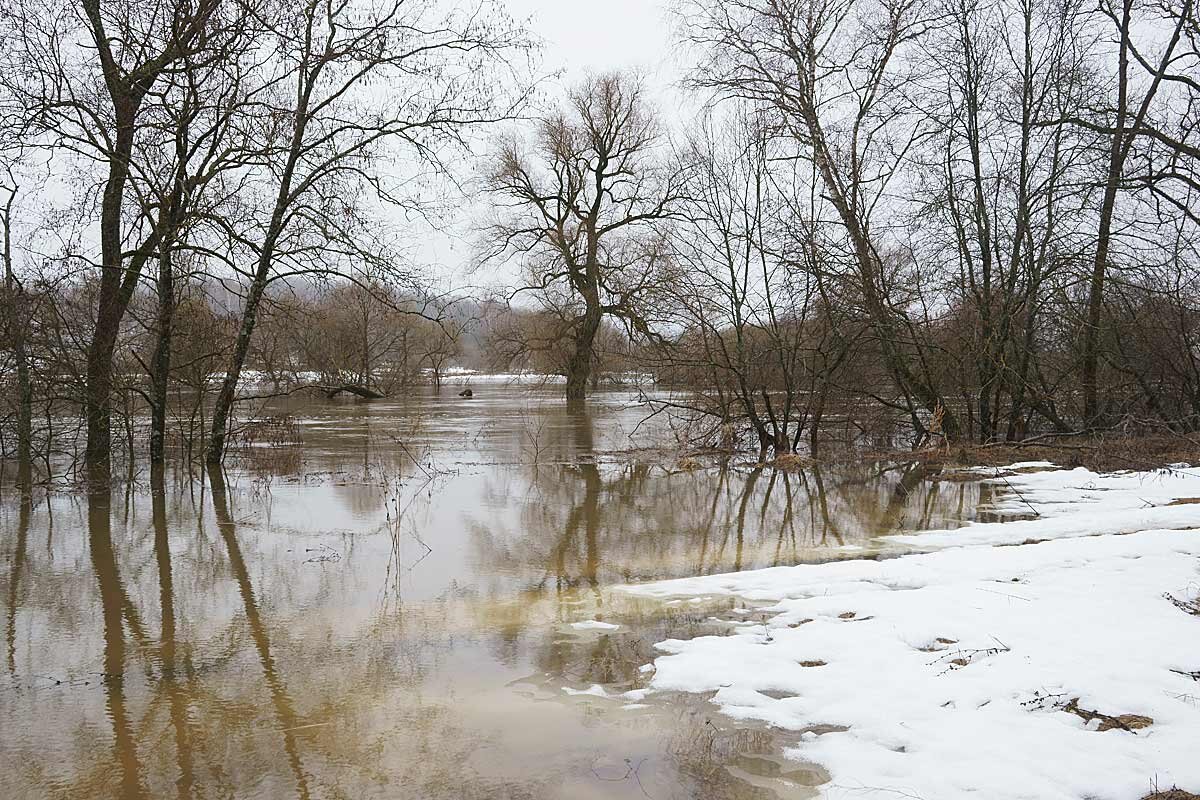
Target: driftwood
(361, 391)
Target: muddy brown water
(384, 609)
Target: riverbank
(1098, 452)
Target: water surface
(378, 601)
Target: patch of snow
(595, 690)
(953, 671)
(1018, 465)
(508, 378)
(1077, 502)
(594, 625)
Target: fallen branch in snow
(1186, 606)
(1106, 722)
(1018, 493)
(1126, 722)
(957, 659)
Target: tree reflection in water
(115, 609)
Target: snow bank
(953, 672)
(465, 377)
(1076, 502)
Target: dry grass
(1100, 454)
(1103, 453)
(1171, 794)
(791, 461)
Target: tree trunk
(579, 367)
(161, 364)
(115, 290)
(97, 405)
(814, 431)
(266, 256)
(1116, 166)
(24, 413)
(226, 396)
(16, 303)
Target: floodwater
(378, 602)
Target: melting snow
(974, 669)
(594, 625)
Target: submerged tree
(832, 75)
(84, 77)
(583, 208)
(350, 84)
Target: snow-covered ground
(974, 669)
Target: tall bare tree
(832, 74)
(1130, 118)
(582, 207)
(84, 73)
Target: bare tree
(1000, 194)
(350, 82)
(84, 74)
(583, 207)
(186, 178)
(832, 74)
(757, 347)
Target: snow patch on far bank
(1076, 502)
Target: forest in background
(975, 220)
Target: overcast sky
(600, 35)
